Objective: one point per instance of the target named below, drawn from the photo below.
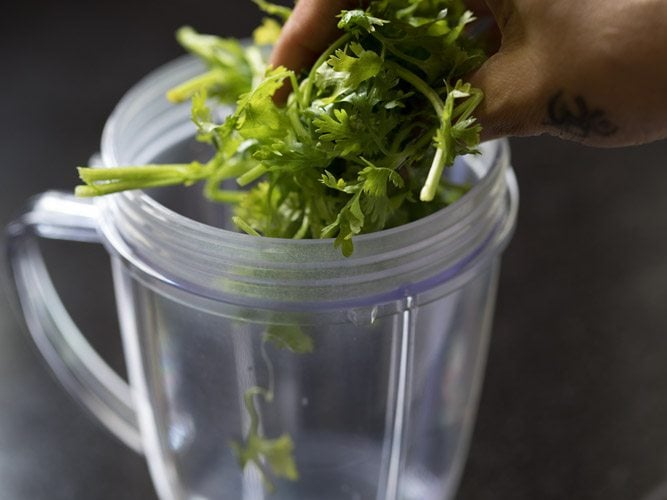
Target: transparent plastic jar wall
(376, 402)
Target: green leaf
(274, 9)
(272, 457)
(359, 67)
(350, 222)
(268, 33)
(277, 454)
(290, 337)
(258, 116)
(338, 184)
(201, 117)
(340, 130)
(376, 180)
(230, 70)
(351, 20)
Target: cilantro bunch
(360, 145)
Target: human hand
(575, 68)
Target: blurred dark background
(574, 404)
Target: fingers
(527, 92)
(513, 93)
(308, 32)
(478, 7)
(511, 80)
(556, 72)
(502, 10)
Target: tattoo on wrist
(574, 117)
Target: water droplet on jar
(374, 314)
(181, 432)
(353, 317)
(363, 316)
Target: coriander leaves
(363, 140)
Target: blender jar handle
(76, 364)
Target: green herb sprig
(363, 140)
(272, 457)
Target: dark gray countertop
(574, 404)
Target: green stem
(223, 195)
(388, 45)
(444, 115)
(251, 175)
(303, 229)
(229, 170)
(249, 402)
(441, 154)
(187, 89)
(420, 85)
(100, 181)
(299, 129)
(427, 192)
(308, 89)
(118, 186)
(465, 109)
(244, 226)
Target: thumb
(308, 31)
(513, 95)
